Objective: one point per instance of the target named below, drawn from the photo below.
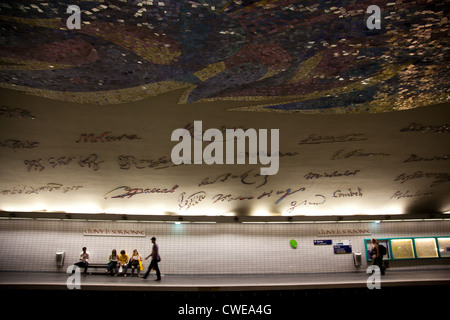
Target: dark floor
(265, 296)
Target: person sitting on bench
(84, 260)
(123, 262)
(112, 263)
(136, 262)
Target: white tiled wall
(234, 248)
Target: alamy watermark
(74, 280)
(374, 280)
(374, 20)
(217, 142)
(74, 20)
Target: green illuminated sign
(293, 243)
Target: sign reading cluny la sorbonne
(114, 232)
(349, 231)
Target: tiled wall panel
(30, 245)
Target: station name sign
(124, 232)
(335, 231)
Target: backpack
(382, 249)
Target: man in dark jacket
(154, 263)
(377, 255)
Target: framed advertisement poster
(402, 249)
(426, 248)
(444, 247)
(412, 248)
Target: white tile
(31, 245)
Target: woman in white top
(84, 260)
(136, 262)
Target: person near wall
(377, 256)
(123, 263)
(112, 263)
(154, 263)
(136, 263)
(84, 260)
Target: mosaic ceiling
(275, 56)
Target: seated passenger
(136, 262)
(123, 263)
(84, 260)
(112, 263)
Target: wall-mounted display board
(342, 246)
(412, 248)
(444, 246)
(402, 249)
(426, 248)
(322, 242)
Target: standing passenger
(155, 259)
(377, 256)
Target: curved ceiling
(87, 114)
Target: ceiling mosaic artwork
(279, 56)
(352, 103)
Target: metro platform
(401, 292)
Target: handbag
(120, 269)
(141, 267)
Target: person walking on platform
(154, 263)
